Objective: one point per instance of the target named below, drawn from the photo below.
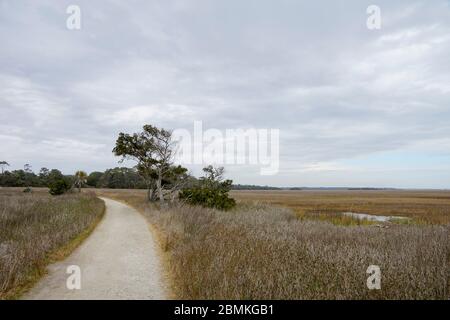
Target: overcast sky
(355, 107)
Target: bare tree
(4, 164)
(27, 168)
(164, 154)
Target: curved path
(118, 260)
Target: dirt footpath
(119, 260)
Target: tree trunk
(149, 192)
(152, 191)
(159, 186)
(173, 195)
(154, 194)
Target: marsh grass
(260, 251)
(424, 207)
(36, 229)
(338, 219)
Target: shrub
(210, 198)
(27, 190)
(58, 187)
(210, 191)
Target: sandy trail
(119, 260)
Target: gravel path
(119, 260)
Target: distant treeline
(252, 187)
(116, 178)
(255, 187)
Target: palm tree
(80, 179)
(4, 164)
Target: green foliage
(93, 178)
(54, 175)
(175, 176)
(210, 198)
(27, 178)
(121, 178)
(43, 176)
(210, 191)
(115, 178)
(58, 187)
(19, 178)
(147, 148)
(153, 150)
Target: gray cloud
(339, 93)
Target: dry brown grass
(36, 229)
(425, 207)
(265, 252)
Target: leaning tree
(153, 150)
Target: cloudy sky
(355, 107)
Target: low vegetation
(37, 228)
(260, 251)
(58, 187)
(423, 206)
(210, 191)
